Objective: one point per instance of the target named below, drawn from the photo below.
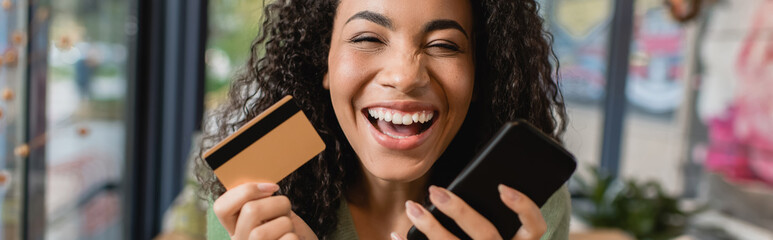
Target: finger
(289, 236)
(260, 212)
(301, 228)
(273, 229)
(395, 236)
(425, 222)
(533, 225)
(469, 220)
(227, 206)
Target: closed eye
(447, 46)
(366, 39)
(367, 43)
(443, 49)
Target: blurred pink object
(726, 154)
(753, 123)
(762, 164)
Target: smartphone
(519, 156)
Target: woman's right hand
(250, 212)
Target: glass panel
(581, 31)
(85, 151)
(233, 24)
(13, 46)
(653, 133)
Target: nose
(405, 73)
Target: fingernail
(395, 236)
(268, 187)
(438, 195)
(413, 209)
(508, 193)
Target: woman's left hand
(469, 220)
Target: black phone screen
(519, 156)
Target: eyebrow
(373, 17)
(443, 24)
(382, 20)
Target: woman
(403, 93)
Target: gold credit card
(266, 149)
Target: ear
(326, 81)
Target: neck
(379, 195)
(378, 205)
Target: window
(233, 26)
(86, 130)
(581, 33)
(13, 150)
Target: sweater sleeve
(215, 231)
(556, 212)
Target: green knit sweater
(556, 212)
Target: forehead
(405, 13)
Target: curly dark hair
(514, 79)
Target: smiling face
(400, 75)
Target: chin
(398, 170)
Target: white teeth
(399, 118)
(394, 136)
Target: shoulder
(345, 227)
(556, 212)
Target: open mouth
(398, 124)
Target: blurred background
(101, 102)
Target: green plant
(642, 209)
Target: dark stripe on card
(252, 134)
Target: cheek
(462, 87)
(457, 80)
(347, 74)
(348, 77)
